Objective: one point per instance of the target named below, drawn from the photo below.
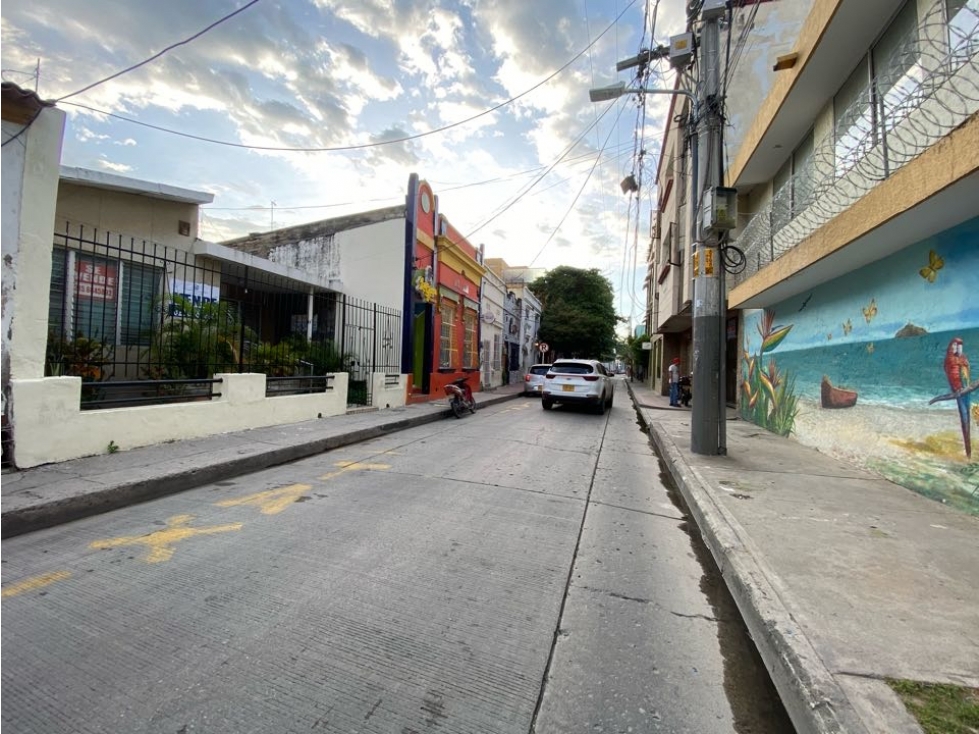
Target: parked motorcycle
(686, 393)
(460, 397)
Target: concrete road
(514, 571)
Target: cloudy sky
(492, 96)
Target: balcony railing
(925, 90)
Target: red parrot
(957, 372)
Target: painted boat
(836, 397)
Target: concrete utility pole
(707, 429)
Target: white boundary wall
(51, 426)
(385, 394)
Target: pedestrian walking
(674, 373)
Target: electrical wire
(528, 188)
(361, 146)
(575, 200)
(155, 56)
(447, 188)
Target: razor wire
(921, 93)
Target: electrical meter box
(681, 50)
(713, 9)
(720, 209)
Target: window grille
(471, 350)
(447, 345)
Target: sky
(492, 93)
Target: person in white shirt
(674, 374)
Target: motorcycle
(460, 397)
(686, 393)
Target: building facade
(521, 320)
(859, 174)
(32, 135)
(493, 295)
(760, 32)
(409, 258)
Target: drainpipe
(309, 316)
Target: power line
(341, 148)
(586, 157)
(528, 188)
(580, 190)
(155, 56)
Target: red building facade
(442, 300)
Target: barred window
(793, 184)
(105, 299)
(880, 92)
(497, 352)
(447, 344)
(471, 353)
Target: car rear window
(540, 369)
(571, 369)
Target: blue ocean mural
(875, 365)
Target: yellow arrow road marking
(37, 582)
(160, 543)
(271, 501)
(274, 501)
(346, 466)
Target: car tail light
(592, 378)
(526, 378)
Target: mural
(873, 367)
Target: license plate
(568, 388)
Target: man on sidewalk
(674, 373)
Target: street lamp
(613, 91)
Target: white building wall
(372, 262)
(30, 184)
(367, 261)
(493, 299)
(120, 213)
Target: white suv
(580, 381)
(533, 381)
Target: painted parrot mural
(957, 372)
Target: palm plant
(768, 396)
(193, 341)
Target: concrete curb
(811, 695)
(124, 494)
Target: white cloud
(114, 167)
(324, 73)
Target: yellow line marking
(346, 466)
(274, 501)
(160, 543)
(271, 501)
(38, 582)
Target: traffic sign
(543, 347)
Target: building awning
(135, 186)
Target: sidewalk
(53, 494)
(843, 578)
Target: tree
(635, 355)
(577, 312)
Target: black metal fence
(142, 323)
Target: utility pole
(715, 212)
(707, 429)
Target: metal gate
(371, 339)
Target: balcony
(923, 94)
